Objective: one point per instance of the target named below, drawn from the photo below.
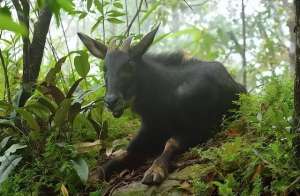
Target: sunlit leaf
(83, 15)
(115, 20)
(100, 19)
(150, 10)
(118, 5)
(89, 4)
(99, 6)
(6, 23)
(115, 13)
(67, 5)
(82, 64)
(87, 146)
(5, 11)
(64, 190)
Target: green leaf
(115, 13)
(51, 105)
(54, 91)
(5, 11)
(12, 149)
(89, 4)
(99, 6)
(100, 19)
(51, 75)
(8, 165)
(153, 7)
(118, 5)
(82, 64)
(30, 120)
(115, 21)
(39, 110)
(67, 5)
(7, 23)
(83, 15)
(4, 142)
(73, 88)
(8, 123)
(82, 169)
(61, 114)
(74, 111)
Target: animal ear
(143, 45)
(95, 47)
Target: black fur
(181, 101)
(180, 98)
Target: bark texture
(32, 51)
(297, 79)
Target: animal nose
(110, 100)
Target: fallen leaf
(232, 133)
(87, 146)
(64, 190)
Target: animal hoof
(155, 175)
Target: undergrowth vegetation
(256, 156)
(72, 134)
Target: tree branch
(7, 87)
(244, 46)
(188, 5)
(134, 17)
(36, 51)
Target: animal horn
(126, 44)
(113, 44)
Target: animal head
(119, 68)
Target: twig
(66, 42)
(133, 19)
(103, 22)
(293, 183)
(244, 46)
(136, 4)
(5, 77)
(199, 4)
(126, 10)
(188, 5)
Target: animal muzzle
(114, 104)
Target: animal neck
(152, 85)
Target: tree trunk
(32, 52)
(297, 80)
(291, 26)
(244, 46)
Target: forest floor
(251, 155)
(185, 171)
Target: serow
(181, 101)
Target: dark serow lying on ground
(181, 101)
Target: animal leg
(160, 167)
(143, 146)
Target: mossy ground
(252, 155)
